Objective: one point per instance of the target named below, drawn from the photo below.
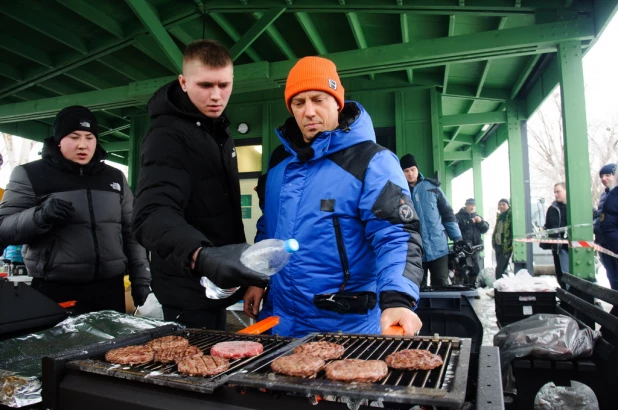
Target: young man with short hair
(344, 199)
(187, 206)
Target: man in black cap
(502, 238)
(437, 221)
(73, 212)
(472, 226)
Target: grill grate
(168, 375)
(444, 385)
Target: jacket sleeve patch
(394, 206)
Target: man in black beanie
(73, 212)
(437, 221)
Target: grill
(443, 386)
(168, 375)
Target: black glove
(222, 266)
(55, 210)
(139, 293)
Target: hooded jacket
(188, 195)
(470, 230)
(96, 242)
(436, 217)
(345, 200)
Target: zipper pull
(81, 171)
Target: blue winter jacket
(436, 216)
(313, 197)
(609, 220)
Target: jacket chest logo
(115, 185)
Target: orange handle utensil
(393, 331)
(261, 326)
(68, 304)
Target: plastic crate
(514, 306)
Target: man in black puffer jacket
(472, 226)
(187, 205)
(73, 212)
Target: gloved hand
(140, 294)
(222, 266)
(54, 210)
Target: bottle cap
(291, 245)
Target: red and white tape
(572, 244)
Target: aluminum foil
(20, 358)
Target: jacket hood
(171, 100)
(355, 126)
(52, 153)
(432, 181)
(464, 212)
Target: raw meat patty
(203, 365)
(236, 349)
(413, 359)
(356, 370)
(176, 355)
(323, 350)
(168, 342)
(130, 355)
(298, 364)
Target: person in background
(472, 226)
(556, 217)
(502, 238)
(187, 204)
(344, 199)
(608, 179)
(73, 213)
(436, 216)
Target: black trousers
(215, 319)
(439, 272)
(106, 294)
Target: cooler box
(514, 306)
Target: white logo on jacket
(115, 185)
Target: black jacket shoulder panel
(356, 158)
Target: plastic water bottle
(268, 257)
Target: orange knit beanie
(313, 74)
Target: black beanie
(74, 118)
(408, 161)
(506, 201)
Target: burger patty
(168, 342)
(176, 355)
(130, 355)
(356, 370)
(236, 349)
(413, 359)
(323, 350)
(298, 364)
(203, 365)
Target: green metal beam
(25, 50)
(542, 87)
(182, 35)
(437, 133)
(477, 176)
(123, 67)
(89, 79)
(447, 67)
(312, 33)
(523, 75)
(518, 203)
(462, 140)
(458, 155)
(150, 47)
(576, 160)
(405, 38)
(357, 31)
(116, 146)
(10, 72)
(95, 16)
(495, 117)
(255, 32)
(469, 93)
(488, 63)
(149, 17)
(37, 21)
(234, 34)
(278, 39)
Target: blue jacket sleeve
(609, 221)
(393, 228)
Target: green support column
(139, 126)
(477, 158)
(576, 157)
(516, 165)
(447, 184)
(437, 135)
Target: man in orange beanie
(345, 200)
